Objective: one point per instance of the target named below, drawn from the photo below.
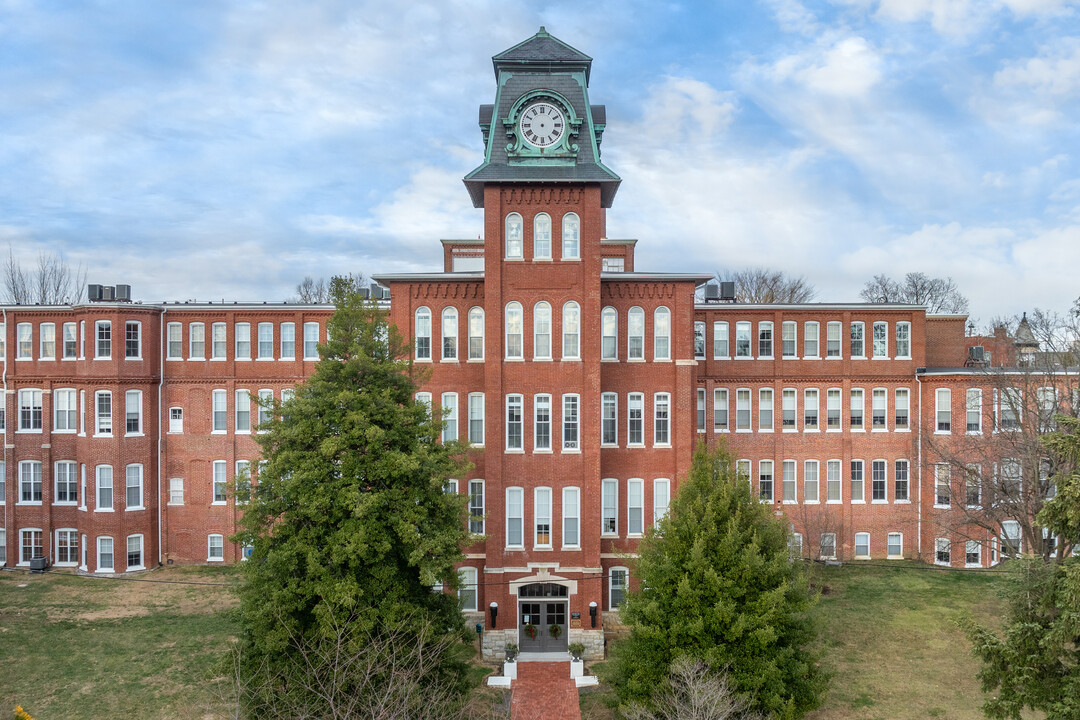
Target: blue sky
(225, 150)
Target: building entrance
(542, 625)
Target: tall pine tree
(348, 522)
(716, 583)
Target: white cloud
(1054, 73)
(850, 68)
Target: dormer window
(513, 237)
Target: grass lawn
(889, 634)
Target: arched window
(423, 334)
(635, 330)
(571, 331)
(571, 237)
(662, 334)
(542, 331)
(476, 333)
(609, 334)
(514, 324)
(449, 333)
(542, 237)
(513, 236)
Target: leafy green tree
(1035, 662)
(349, 518)
(717, 585)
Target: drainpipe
(918, 452)
(162, 340)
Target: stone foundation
(494, 643)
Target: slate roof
(542, 48)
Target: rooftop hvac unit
(379, 292)
(365, 293)
(108, 293)
(39, 565)
(727, 290)
(712, 292)
(93, 292)
(123, 293)
(977, 353)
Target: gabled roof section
(541, 48)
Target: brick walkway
(544, 691)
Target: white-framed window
(828, 546)
(133, 412)
(1009, 410)
(662, 334)
(219, 483)
(287, 341)
(70, 340)
(742, 410)
(219, 342)
(104, 487)
(972, 554)
(720, 410)
(570, 423)
(903, 340)
(765, 410)
(902, 409)
(105, 554)
(467, 588)
(242, 478)
(896, 545)
(699, 340)
(215, 548)
(242, 340)
(609, 334)
(514, 237)
(862, 546)
(542, 517)
(811, 468)
(858, 341)
(942, 551)
(765, 480)
(609, 419)
(701, 414)
(24, 341)
(132, 340)
(571, 237)
(765, 340)
(812, 339)
(720, 348)
(635, 419)
(176, 491)
(790, 482)
(515, 517)
(103, 414)
(174, 343)
(1010, 538)
(65, 482)
(942, 485)
(789, 345)
(1011, 477)
(30, 410)
(133, 499)
(661, 419)
(742, 470)
(612, 264)
(266, 341)
(881, 340)
(810, 410)
(514, 429)
(661, 499)
(30, 482)
(135, 552)
(514, 330)
(311, 341)
(618, 578)
(542, 331)
(30, 545)
(609, 507)
(542, 423)
(879, 408)
(196, 341)
(858, 404)
(67, 547)
(857, 481)
(476, 419)
(973, 486)
(476, 507)
(635, 334)
(973, 400)
(449, 334)
(878, 483)
(176, 420)
(65, 410)
(422, 325)
(476, 333)
(900, 481)
(943, 410)
(635, 506)
(833, 330)
(47, 346)
(571, 331)
(265, 408)
(571, 517)
(833, 409)
(742, 339)
(795, 545)
(103, 345)
(449, 417)
(219, 411)
(833, 482)
(542, 236)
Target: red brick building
(582, 383)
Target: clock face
(542, 124)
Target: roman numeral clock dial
(542, 124)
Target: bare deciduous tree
(313, 292)
(695, 692)
(939, 295)
(53, 281)
(762, 285)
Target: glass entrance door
(542, 625)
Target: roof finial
(542, 31)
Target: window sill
(28, 502)
(834, 502)
(168, 359)
(46, 359)
(172, 504)
(105, 571)
(27, 432)
(834, 430)
(63, 432)
(662, 446)
(264, 359)
(834, 357)
(635, 360)
(220, 359)
(543, 548)
(514, 451)
(137, 359)
(514, 548)
(743, 430)
(102, 435)
(743, 357)
(880, 430)
(570, 359)
(611, 446)
(879, 502)
(858, 502)
(861, 557)
(790, 502)
(419, 360)
(943, 432)
(811, 357)
(720, 430)
(538, 451)
(661, 360)
(609, 360)
(941, 507)
(219, 432)
(104, 357)
(811, 502)
(765, 357)
(540, 359)
(810, 429)
(219, 503)
(894, 557)
(765, 431)
(210, 559)
(138, 434)
(316, 359)
(133, 509)
(133, 568)
(475, 360)
(107, 510)
(571, 548)
(287, 359)
(65, 503)
(973, 432)
(880, 358)
(903, 430)
(193, 359)
(721, 357)
(630, 446)
(570, 451)
(901, 502)
(514, 359)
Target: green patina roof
(542, 48)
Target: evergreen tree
(717, 584)
(348, 519)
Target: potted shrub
(511, 652)
(577, 650)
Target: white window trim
(97, 560)
(142, 553)
(209, 556)
(567, 491)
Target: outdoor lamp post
(592, 613)
(494, 613)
